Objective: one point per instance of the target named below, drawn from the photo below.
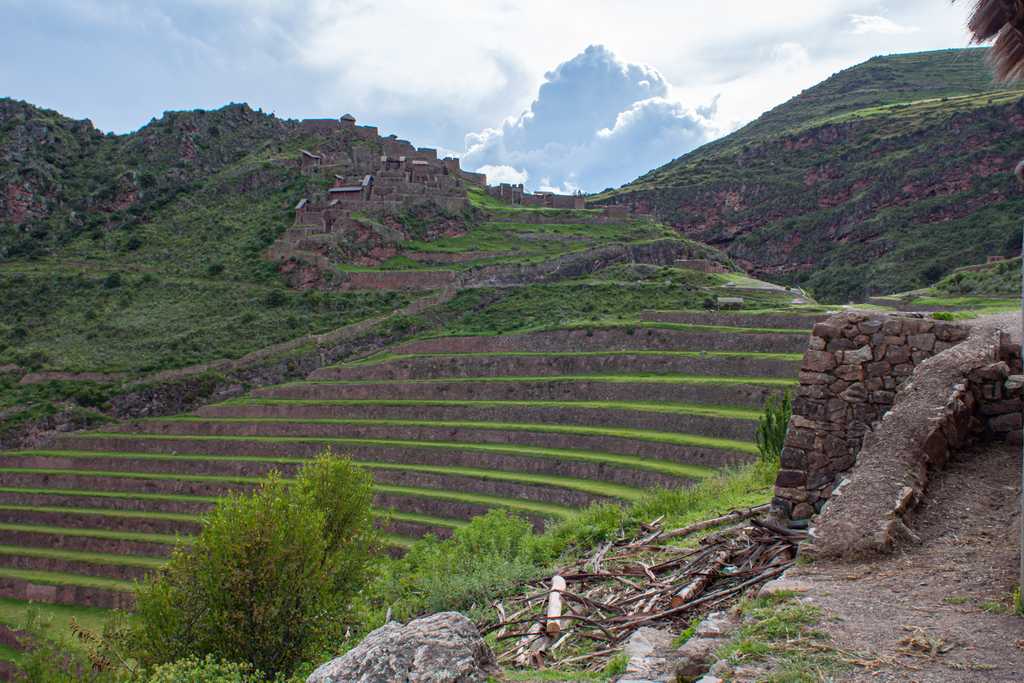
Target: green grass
(672, 408)
(13, 613)
(619, 379)
(580, 430)
(497, 501)
(67, 320)
(105, 512)
(60, 578)
(79, 556)
(780, 630)
(386, 357)
(600, 488)
(94, 533)
(669, 467)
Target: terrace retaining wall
(615, 339)
(735, 394)
(705, 425)
(65, 594)
(533, 366)
(620, 445)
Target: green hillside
(859, 185)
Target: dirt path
(949, 595)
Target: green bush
(772, 426)
(270, 579)
(491, 554)
(207, 670)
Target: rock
(694, 656)
(716, 625)
(438, 648)
(784, 586)
(651, 656)
(862, 355)
(708, 678)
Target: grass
(92, 533)
(633, 378)
(494, 501)
(60, 319)
(780, 630)
(78, 556)
(13, 613)
(392, 357)
(672, 408)
(668, 467)
(60, 578)
(580, 430)
(511, 503)
(599, 488)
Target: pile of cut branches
(584, 614)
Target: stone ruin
(515, 194)
(881, 400)
(370, 174)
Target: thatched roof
(1003, 21)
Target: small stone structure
(441, 648)
(854, 369)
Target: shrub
(270, 578)
(207, 670)
(487, 556)
(112, 281)
(275, 298)
(771, 428)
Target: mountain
(883, 178)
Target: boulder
(439, 648)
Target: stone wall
(854, 366)
(952, 398)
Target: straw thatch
(1003, 21)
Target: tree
(270, 578)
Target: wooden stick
(553, 625)
(697, 586)
(733, 516)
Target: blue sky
(559, 95)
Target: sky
(562, 96)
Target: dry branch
(639, 581)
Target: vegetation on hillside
(858, 186)
(996, 279)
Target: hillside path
(938, 611)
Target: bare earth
(940, 610)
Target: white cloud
(503, 174)
(867, 23)
(597, 121)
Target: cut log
(697, 586)
(734, 516)
(553, 626)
